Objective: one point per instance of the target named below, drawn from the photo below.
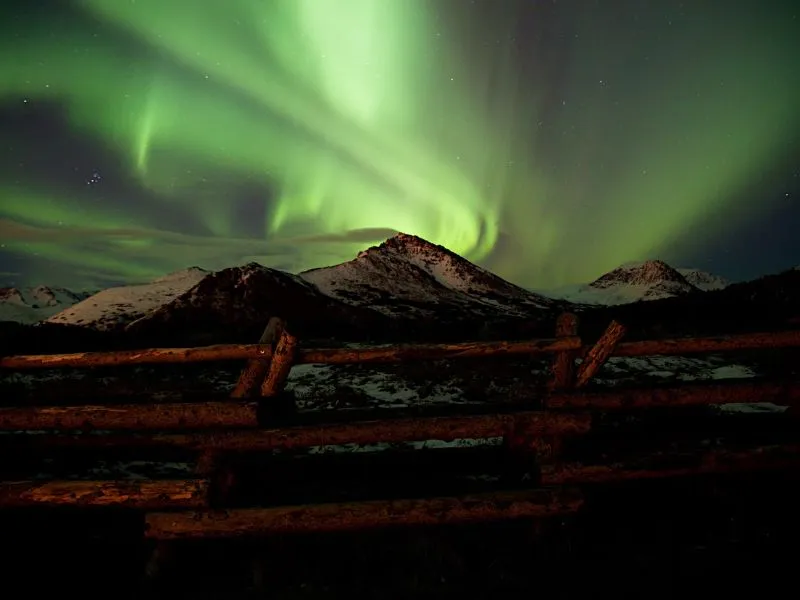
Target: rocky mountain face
(703, 280)
(235, 304)
(407, 276)
(30, 305)
(640, 281)
(113, 308)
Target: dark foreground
(731, 537)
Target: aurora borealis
(549, 141)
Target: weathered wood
(362, 515)
(136, 357)
(388, 430)
(599, 353)
(280, 366)
(131, 416)
(145, 494)
(400, 353)
(334, 356)
(257, 368)
(564, 362)
(726, 343)
(404, 352)
(786, 392)
(400, 430)
(675, 465)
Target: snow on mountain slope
(703, 280)
(408, 276)
(31, 305)
(632, 282)
(117, 306)
(239, 301)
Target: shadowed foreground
(729, 536)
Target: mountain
(407, 276)
(402, 289)
(31, 305)
(115, 307)
(235, 304)
(703, 280)
(638, 281)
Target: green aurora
(548, 142)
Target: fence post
(256, 369)
(564, 362)
(279, 367)
(599, 353)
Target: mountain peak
(641, 273)
(405, 243)
(406, 273)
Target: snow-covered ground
(383, 387)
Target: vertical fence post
(563, 368)
(256, 369)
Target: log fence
(536, 427)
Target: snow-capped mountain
(703, 280)
(31, 305)
(404, 285)
(632, 282)
(117, 306)
(408, 276)
(236, 303)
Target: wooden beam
(400, 353)
(406, 352)
(221, 352)
(564, 362)
(725, 343)
(145, 494)
(257, 368)
(599, 353)
(785, 392)
(203, 415)
(280, 366)
(389, 430)
(362, 515)
(675, 465)
(333, 356)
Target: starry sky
(547, 140)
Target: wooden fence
(535, 428)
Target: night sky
(549, 141)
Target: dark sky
(549, 141)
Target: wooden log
(406, 352)
(675, 465)
(445, 428)
(564, 362)
(150, 495)
(280, 366)
(400, 353)
(333, 356)
(257, 368)
(786, 392)
(599, 353)
(726, 343)
(222, 352)
(203, 415)
(399, 430)
(362, 515)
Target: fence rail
(401, 352)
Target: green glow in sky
(367, 116)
